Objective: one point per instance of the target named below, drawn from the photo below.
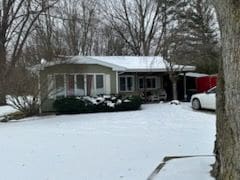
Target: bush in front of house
(130, 103)
(26, 104)
(69, 105)
(76, 105)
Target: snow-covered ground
(4, 110)
(187, 169)
(107, 146)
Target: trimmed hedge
(132, 103)
(76, 105)
(69, 105)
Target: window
(76, 85)
(80, 90)
(126, 83)
(129, 83)
(122, 84)
(150, 83)
(99, 81)
(70, 85)
(141, 83)
(90, 85)
(100, 84)
(212, 91)
(59, 82)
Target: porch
(150, 85)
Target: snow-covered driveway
(103, 146)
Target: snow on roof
(134, 63)
(140, 63)
(79, 60)
(125, 63)
(91, 60)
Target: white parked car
(206, 100)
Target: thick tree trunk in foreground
(2, 96)
(221, 116)
(228, 114)
(2, 74)
(3, 88)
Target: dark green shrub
(137, 100)
(73, 105)
(131, 103)
(101, 107)
(69, 105)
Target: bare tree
(172, 45)
(108, 42)
(47, 39)
(173, 57)
(16, 24)
(23, 96)
(79, 25)
(140, 23)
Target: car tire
(196, 105)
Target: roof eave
(185, 69)
(189, 69)
(146, 70)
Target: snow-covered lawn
(4, 110)
(107, 146)
(187, 169)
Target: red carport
(205, 83)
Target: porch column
(117, 83)
(145, 87)
(185, 86)
(136, 83)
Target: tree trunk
(174, 88)
(2, 72)
(228, 114)
(2, 89)
(221, 117)
(3, 99)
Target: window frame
(103, 82)
(126, 83)
(64, 85)
(75, 83)
(145, 82)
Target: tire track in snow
(169, 158)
